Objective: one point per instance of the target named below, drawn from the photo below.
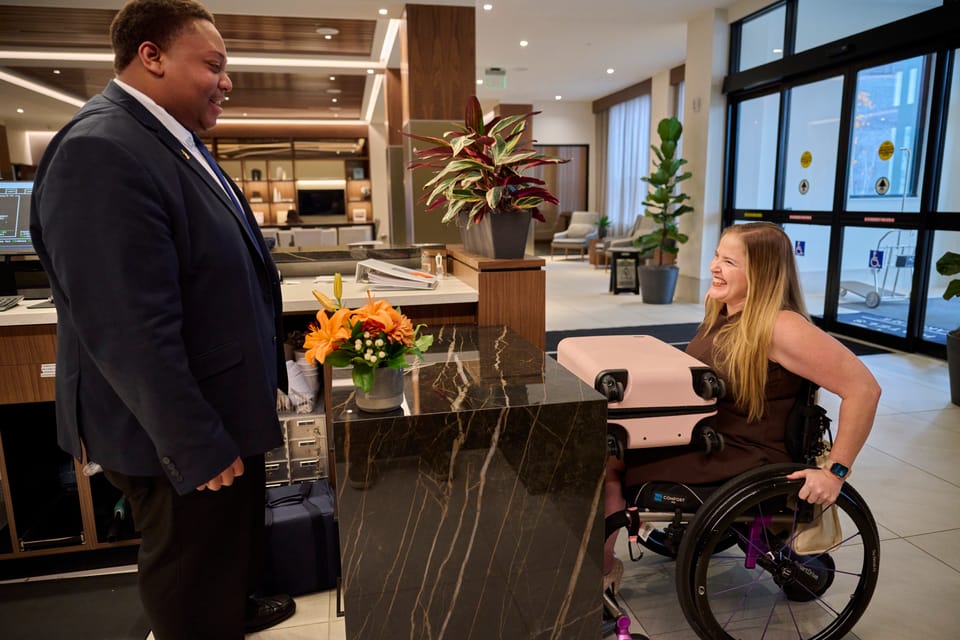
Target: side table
(597, 253)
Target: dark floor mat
(94, 608)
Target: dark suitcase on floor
(658, 395)
(302, 540)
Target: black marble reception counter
(475, 510)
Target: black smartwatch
(840, 470)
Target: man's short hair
(157, 21)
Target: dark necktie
(228, 188)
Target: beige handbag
(823, 532)
(820, 535)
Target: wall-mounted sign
(886, 150)
(876, 259)
(805, 159)
(804, 186)
(799, 247)
(882, 185)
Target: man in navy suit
(168, 320)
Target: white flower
(382, 354)
(358, 344)
(379, 342)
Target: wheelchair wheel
(761, 588)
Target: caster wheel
(873, 299)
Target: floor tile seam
(910, 464)
(927, 553)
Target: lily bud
(325, 301)
(337, 287)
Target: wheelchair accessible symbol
(876, 259)
(799, 248)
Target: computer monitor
(15, 217)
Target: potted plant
(949, 265)
(481, 184)
(603, 226)
(665, 204)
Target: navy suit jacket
(169, 349)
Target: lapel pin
(186, 156)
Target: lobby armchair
(582, 229)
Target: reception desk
(475, 510)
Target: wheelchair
(737, 573)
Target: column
(438, 74)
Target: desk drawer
(306, 448)
(28, 345)
(277, 472)
(25, 383)
(308, 469)
(306, 428)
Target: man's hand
(225, 477)
(819, 487)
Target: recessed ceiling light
(487, 7)
(56, 72)
(328, 37)
(244, 114)
(383, 12)
(370, 71)
(558, 97)
(327, 31)
(479, 80)
(333, 100)
(610, 70)
(226, 97)
(335, 91)
(524, 43)
(332, 78)
(19, 109)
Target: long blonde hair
(741, 347)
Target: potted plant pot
(658, 283)
(501, 235)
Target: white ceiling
(571, 45)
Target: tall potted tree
(481, 184)
(949, 265)
(664, 204)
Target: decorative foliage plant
(480, 168)
(664, 201)
(372, 336)
(949, 265)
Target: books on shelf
(386, 275)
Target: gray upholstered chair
(642, 225)
(582, 229)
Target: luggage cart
(897, 255)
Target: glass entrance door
(883, 197)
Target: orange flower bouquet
(373, 336)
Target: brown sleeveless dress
(747, 445)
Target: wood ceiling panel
(287, 95)
(258, 94)
(90, 28)
(55, 27)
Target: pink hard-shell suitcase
(658, 395)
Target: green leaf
(362, 377)
(338, 359)
(493, 197)
(473, 119)
(953, 290)
(457, 144)
(949, 264)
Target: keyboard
(9, 302)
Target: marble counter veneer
(475, 510)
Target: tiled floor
(908, 473)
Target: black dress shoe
(263, 613)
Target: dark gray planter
(658, 283)
(498, 235)
(953, 365)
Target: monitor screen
(15, 217)
(312, 202)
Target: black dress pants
(201, 554)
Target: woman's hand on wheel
(819, 486)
